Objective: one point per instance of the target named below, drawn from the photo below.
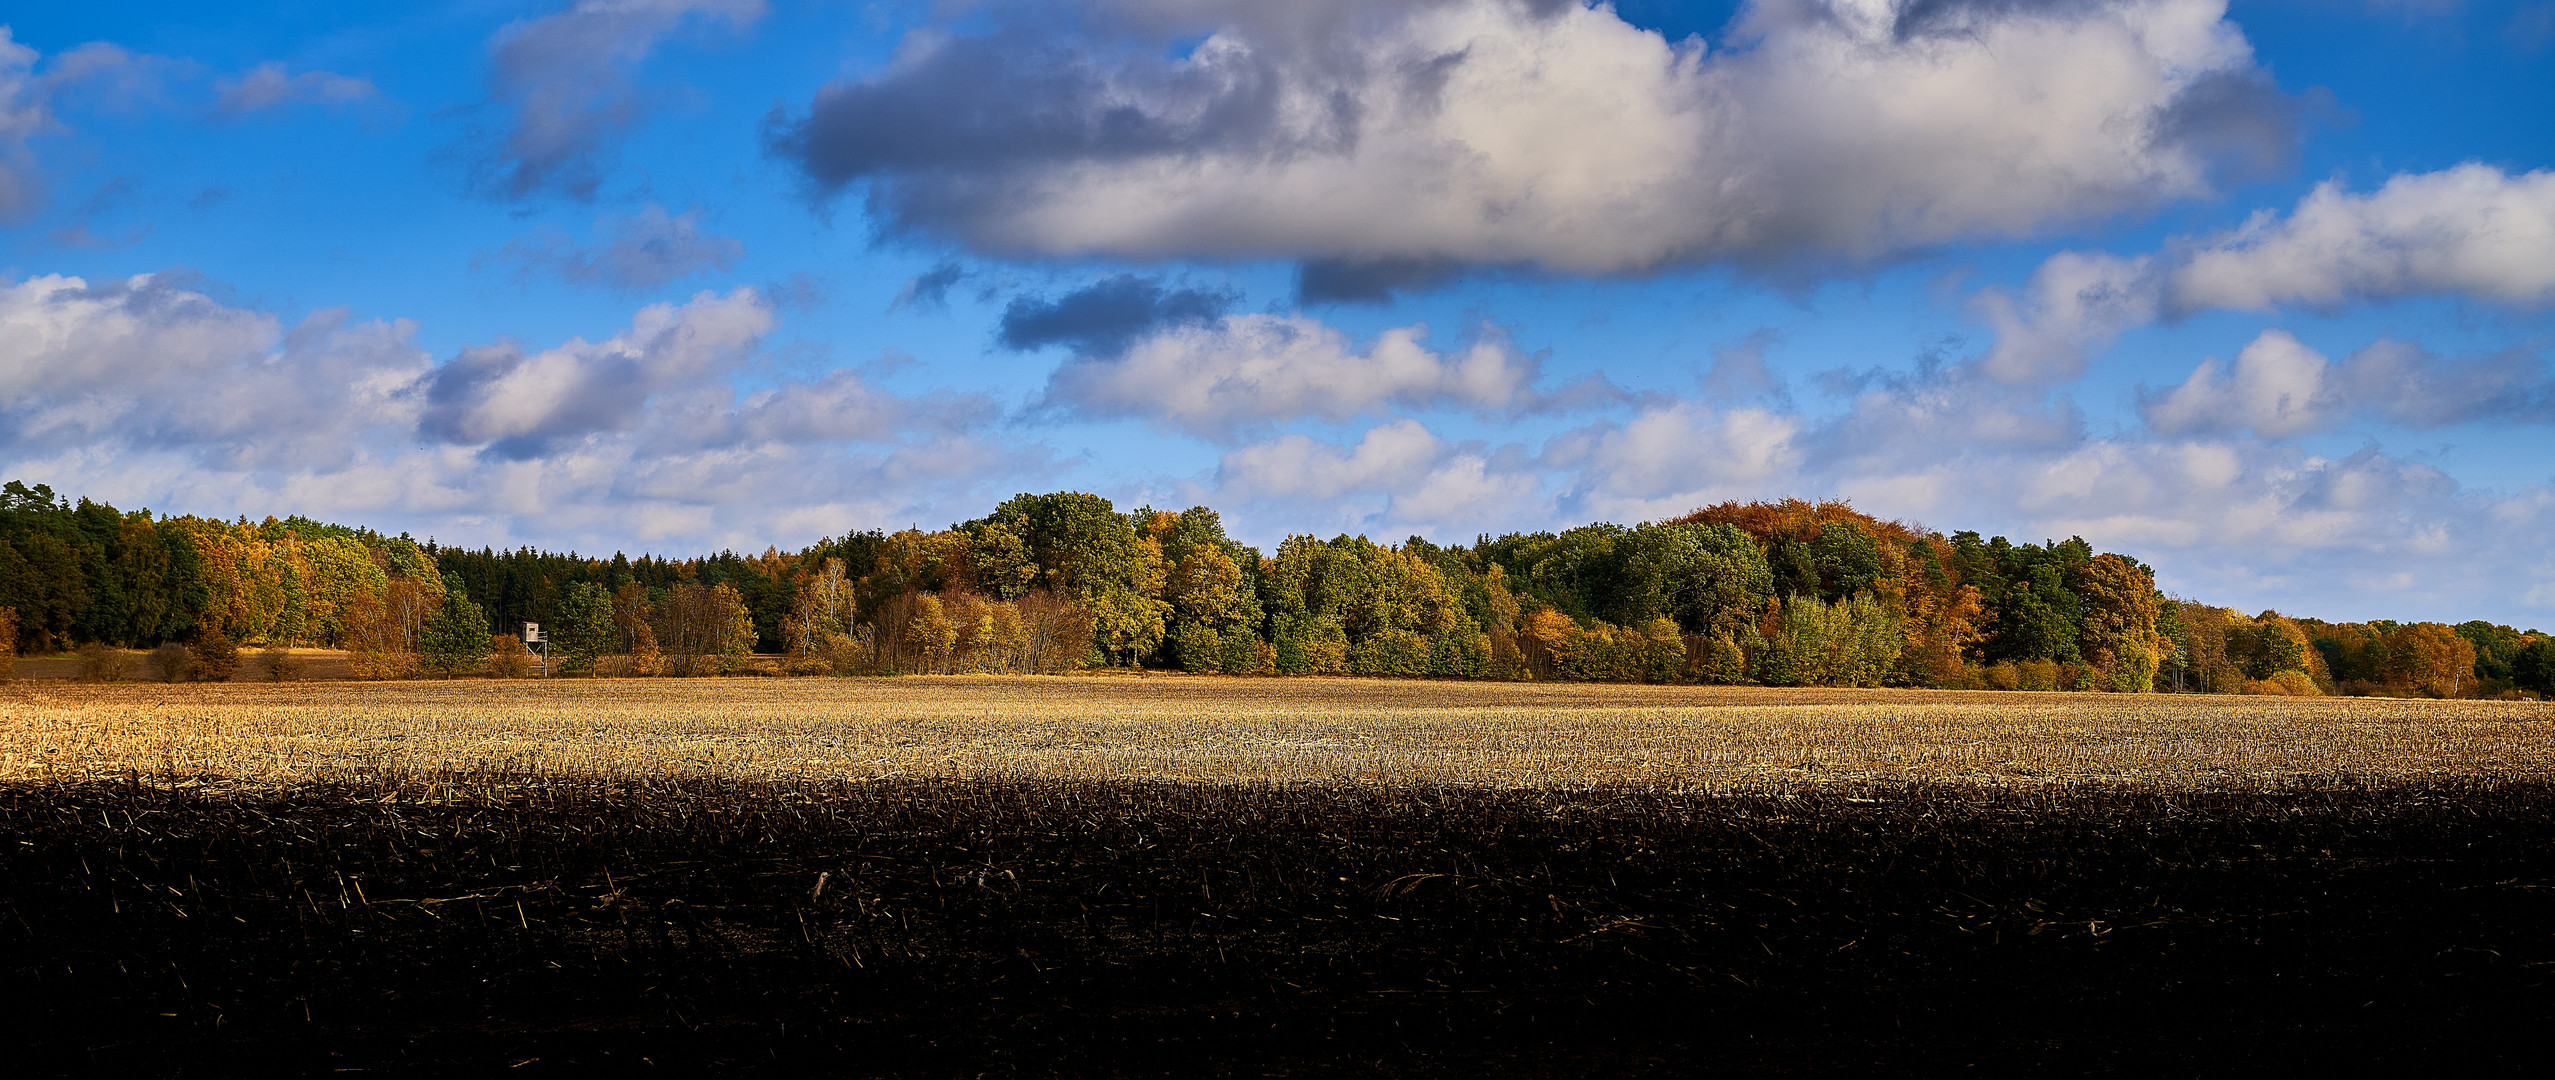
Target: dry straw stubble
(1320, 731)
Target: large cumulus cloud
(1405, 137)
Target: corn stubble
(968, 876)
(1284, 731)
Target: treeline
(1788, 594)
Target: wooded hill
(1790, 593)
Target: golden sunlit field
(1252, 730)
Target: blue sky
(2256, 292)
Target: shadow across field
(466, 922)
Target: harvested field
(1206, 877)
(1319, 731)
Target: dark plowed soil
(465, 925)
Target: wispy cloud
(636, 251)
(274, 86)
(565, 81)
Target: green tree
(2533, 665)
(583, 629)
(455, 637)
(1711, 579)
(341, 570)
(1086, 549)
(1848, 643)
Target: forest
(1789, 593)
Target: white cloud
(2472, 230)
(2075, 305)
(1300, 467)
(23, 114)
(1552, 134)
(1398, 479)
(1682, 451)
(2279, 387)
(2276, 388)
(148, 392)
(1240, 372)
(27, 105)
(2227, 515)
(149, 361)
(498, 394)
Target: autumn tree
(631, 608)
(2430, 658)
(931, 633)
(2118, 635)
(705, 627)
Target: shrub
(1390, 652)
(278, 663)
(214, 657)
(507, 658)
(1197, 648)
(646, 661)
(2004, 676)
(100, 662)
(2284, 684)
(2296, 684)
(2225, 678)
(379, 663)
(168, 662)
(839, 653)
(2039, 674)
